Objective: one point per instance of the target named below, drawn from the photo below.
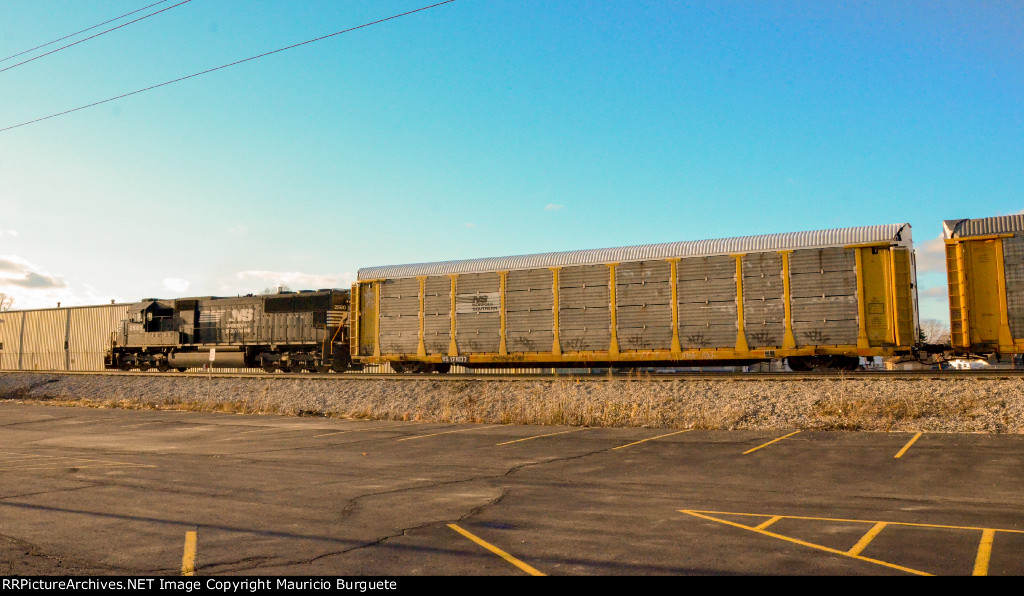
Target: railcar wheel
(398, 367)
(144, 366)
(286, 369)
(182, 369)
(268, 368)
(442, 368)
(125, 366)
(162, 366)
(321, 369)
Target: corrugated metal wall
(74, 338)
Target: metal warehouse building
(72, 338)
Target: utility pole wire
(94, 36)
(82, 31)
(225, 66)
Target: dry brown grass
(960, 405)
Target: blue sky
(487, 128)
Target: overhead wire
(82, 31)
(164, 84)
(94, 36)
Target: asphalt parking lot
(127, 492)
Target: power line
(94, 36)
(226, 65)
(82, 31)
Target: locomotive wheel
(162, 366)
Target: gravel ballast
(987, 405)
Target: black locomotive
(288, 331)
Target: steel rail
(595, 377)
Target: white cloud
(931, 256)
(553, 207)
(470, 226)
(18, 272)
(33, 287)
(175, 284)
(9, 233)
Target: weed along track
(993, 404)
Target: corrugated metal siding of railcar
(985, 269)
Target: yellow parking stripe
(769, 443)
(541, 436)
(768, 522)
(188, 560)
(497, 551)
(907, 446)
(858, 521)
(447, 432)
(651, 439)
(809, 544)
(984, 552)
(866, 539)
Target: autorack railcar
(985, 269)
(819, 299)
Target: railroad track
(677, 376)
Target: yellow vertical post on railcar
(674, 276)
(741, 334)
(862, 323)
(613, 347)
(353, 335)
(453, 347)
(377, 286)
(556, 347)
(421, 348)
(502, 284)
(788, 338)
